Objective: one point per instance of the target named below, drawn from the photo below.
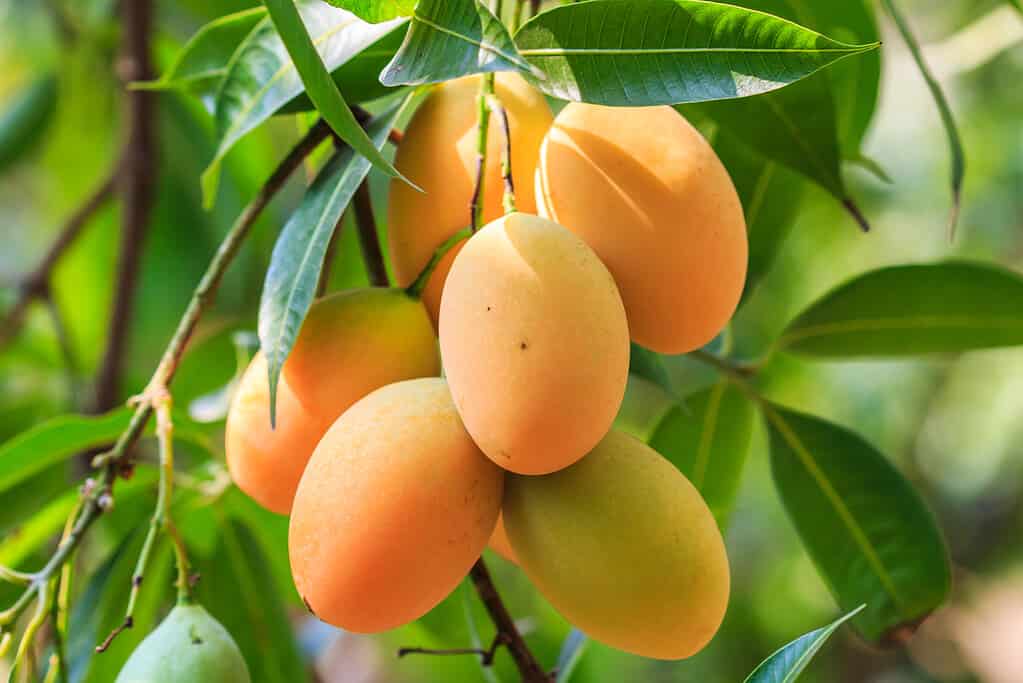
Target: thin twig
(369, 240)
(419, 284)
(137, 182)
(501, 113)
(36, 283)
(486, 656)
(64, 342)
(528, 667)
(482, 131)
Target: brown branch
(486, 656)
(528, 667)
(369, 240)
(137, 181)
(36, 284)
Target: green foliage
(262, 77)
(375, 11)
(913, 310)
(865, 526)
(608, 51)
(452, 38)
(24, 119)
(202, 62)
(785, 665)
(571, 654)
(708, 441)
(297, 259)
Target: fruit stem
(482, 131)
(528, 667)
(415, 290)
(498, 109)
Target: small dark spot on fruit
(488, 308)
(523, 346)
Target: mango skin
(356, 341)
(535, 344)
(624, 547)
(648, 193)
(396, 505)
(188, 646)
(499, 542)
(267, 463)
(438, 152)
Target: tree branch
(137, 181)
(369, 240)
(507, 632)
(35, 284)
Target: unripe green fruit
(188, 647)
(624, 547)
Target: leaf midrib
(844, 514)
(886, 324)
(562, 51)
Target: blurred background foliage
(953, 424)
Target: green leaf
(955, 143)
(1018, 4)
(297, 258)
(644, 52)
(910, 310)
(55, 440)
(771, 195)
(572, 651)
(452, 38)
(466, 593)
(785, 665)
(709, 443)
(202, 62)
(261, 77)
(375, 11)
(864, 525)
(240, 593)
(650, 366)
(25, 118)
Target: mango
(267, 463)
(624, 547)
(499, 542)
(438, 152)
(188, 646)
(395, 506)
(535, 343)
(649, 195)
(356, 341)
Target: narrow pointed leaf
(452, 38)
(643, 52)
(866, 528)
(25, 118)
(572, 651)
(301, 247)
(708, 442)
(376, 11)
(202, 62)
(785, 665)
(319, 85)
(261, 76)
(910, 310)
(955, 143)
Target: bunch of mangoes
(628, 228)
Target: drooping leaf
(864, 525)
(643, 52)
(376, 11)
(572, 651)
(771, 195)
(261, 77)
(202, 62)
(452, 38)
(298, 255)
(319, 84)
(955, 143)
(785, 665)
(239, 592)
(709, 443)
(25, 117)
(910, 310)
